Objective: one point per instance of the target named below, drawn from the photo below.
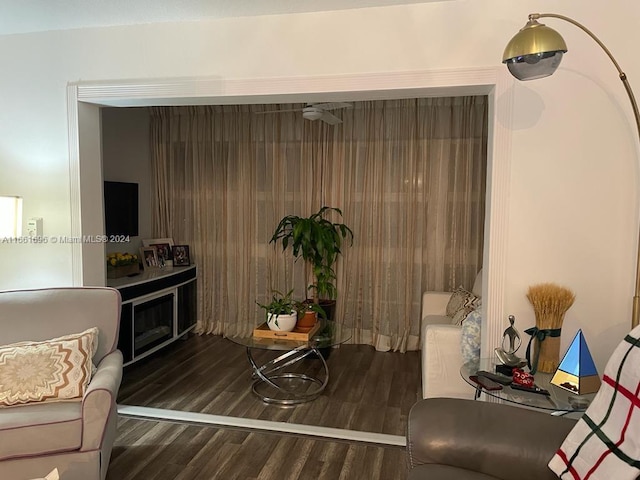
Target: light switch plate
(34, 227)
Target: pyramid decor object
(577, 373)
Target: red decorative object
(522, 378)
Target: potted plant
(281, 313)
(308, 315)
(318, 241)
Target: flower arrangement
(121, 259)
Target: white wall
(573, 201)
(126, 158)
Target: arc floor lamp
(535, 52)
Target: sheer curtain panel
(408, 175)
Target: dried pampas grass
(550, 303)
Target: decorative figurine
(507, 354)
(577, 372)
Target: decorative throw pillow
(461, 298)
(470, 337)
(605, 443)
(460, 316)
(51, 370)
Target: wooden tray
(263, 331)
(125, 270)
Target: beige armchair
(74, 436)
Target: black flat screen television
(121, 208)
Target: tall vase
(547, 347)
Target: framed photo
(149, 256)
(163, 247)
(181, 255)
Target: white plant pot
(285, 323)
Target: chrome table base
(275, 386)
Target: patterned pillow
(51, 370)
(460, 316)
(605, 443)
(470, 337)
(461, 298)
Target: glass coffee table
(273, 383)
(558, 402)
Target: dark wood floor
(148, 450)
(368, 391)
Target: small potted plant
(308, 315)
(281, 313)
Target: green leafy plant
(284, 304)
(281, 303)
(318, 241)
(314, 307)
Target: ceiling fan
(317, 111)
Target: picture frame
(181, 257)
(163, 247)
(149, 257)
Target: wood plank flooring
(368, 391)
(147, 450)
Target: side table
(558, 402)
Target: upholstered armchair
(458, 439)
(74, 435)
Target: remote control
(533, 389)
(485, 383)
(496, 377)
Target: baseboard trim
(262, 425)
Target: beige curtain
(409, 176)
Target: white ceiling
(24, 16)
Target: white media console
(158, 307)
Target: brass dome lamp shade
(535, 52)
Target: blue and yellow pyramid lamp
(577, 373)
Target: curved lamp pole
(535, 52)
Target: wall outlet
(34, 227)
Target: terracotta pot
(307, 321)
(329, 307)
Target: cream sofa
(74, 436)
(441, 356)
